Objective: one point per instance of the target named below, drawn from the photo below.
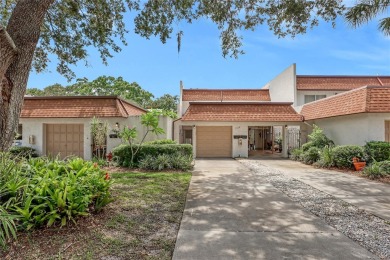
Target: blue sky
(158, 67)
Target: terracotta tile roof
(259, 112)
(78, 107)
(361, 100)
(226, 95)
(339, 82)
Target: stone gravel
(371, 232)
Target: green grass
(141, 223)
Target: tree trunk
(17, 46)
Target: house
(353, 117)
(237, 122)
(62, 125)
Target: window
(188, 136)
(311, 98)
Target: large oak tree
(32, 30)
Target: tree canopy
(32, 32)
(110, 86)
(366, 10)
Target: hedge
(23, 151)
(377, 150)
(343, 155)
(122, 153)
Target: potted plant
(358, 164)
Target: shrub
(311, 155)
(122, 153)
(377, 169)
(162, 141)
(385, 167)
(377, 150)
(296, 154)
(306, 146)
(318, 138)
(164, 161)
(343, 155)
(23, 151)
(40, 191)
(326, 159)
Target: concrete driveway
(232, 213)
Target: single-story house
(62, 125)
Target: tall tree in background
(30, 30)
(101, 86)
(166, 102)
(366, 10)
(105, 86)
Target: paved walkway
(369, 195)
(231, 213)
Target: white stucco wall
(354, 129)
(36, 127)
(238, 128)
(301, 95)
(185, 105)
(282, 87)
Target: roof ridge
(380, 81)
(123, 106)
(225, 89)
(343, 76)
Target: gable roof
(226, 95)
(78, 107)
(244, 112)
(372, 99)
(339, 82)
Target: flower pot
(359, 165)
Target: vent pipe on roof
(221, 96)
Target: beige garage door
(387, 131)
(213, 141)
(65, 140)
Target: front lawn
(141, 223)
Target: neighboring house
(353, 117)
(231, 122)
(62, 125)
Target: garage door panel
(64, 140)
(214, 141)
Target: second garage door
(213, 141)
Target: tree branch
(8, 50)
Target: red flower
(107, 177)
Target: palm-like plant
(7, 227)
(365, 10)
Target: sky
(158, 68)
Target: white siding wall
(282, 87)
(35, 127)
(354, 129)
(185, 105)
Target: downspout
(173, 128)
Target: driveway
(369, 195)
(233, 213)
